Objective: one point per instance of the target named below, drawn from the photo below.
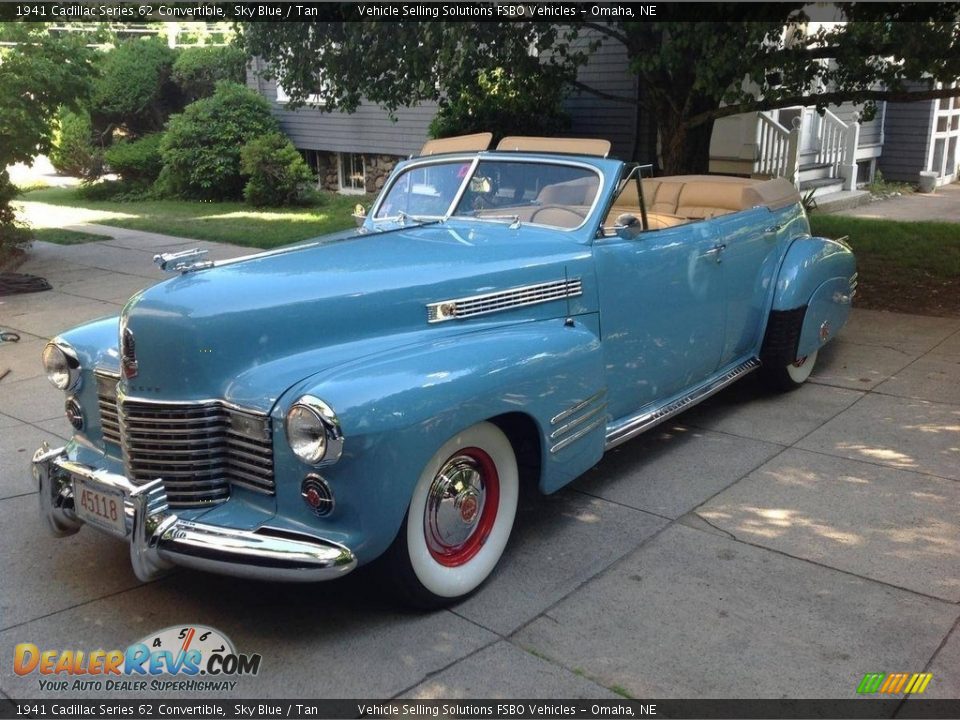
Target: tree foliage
(197, 70)
(138, 162)
(689, 73)
(38, 75)
(201, 148)
(74, 151)
(135, 90)
(503, 103)
(277, 173)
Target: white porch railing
(778, 148)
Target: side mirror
(359, 214)
(627, 226)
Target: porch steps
(814, 171)
(821, 186)
(842, 200)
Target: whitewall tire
(792, 375)
(459, 520)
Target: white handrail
(833, 141)
(777, 149)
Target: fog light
(74, 413)
(317, 495)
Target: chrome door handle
(716, 250)
(773, 229)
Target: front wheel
(459, 520)
(792, 375)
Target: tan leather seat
(682, 198)
(572, 192)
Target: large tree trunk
(684, 150)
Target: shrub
(74, 152)
(136, 161)
(278, 174)
(504, 104)
(197, 70)
(201, 148)
(134, 90)
(13, 235)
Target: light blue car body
(344, 319)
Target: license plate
(100, 506)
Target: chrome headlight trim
(331, 448)
(61, 364)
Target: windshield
(540, 193)
(425, 191)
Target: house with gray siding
(354, 152)
(922, 137)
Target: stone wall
(376, 170)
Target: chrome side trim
(577, 435)
(577, 408)
(523, 296)
(567, 427)
(578, 421)
(627, 428)
(160, 540)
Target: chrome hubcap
(461, 507)
(455, 503)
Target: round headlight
(313, 431)
(61, 365)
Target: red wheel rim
(461, 507)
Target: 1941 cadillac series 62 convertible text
(498, 317)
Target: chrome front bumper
(160, 540)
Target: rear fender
(812, 298)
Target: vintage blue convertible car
(499, 317)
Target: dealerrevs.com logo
(178, 658)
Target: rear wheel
(459, 520)
(792, 375)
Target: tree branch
(583, 87)
(608, 31)
(834, 98)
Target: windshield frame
(475, 159)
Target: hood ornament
(183, 262)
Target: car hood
(229, 331)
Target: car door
(661, 312)
(749, 259)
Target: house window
(352, 178)
(283, 97)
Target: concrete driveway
(760, 546)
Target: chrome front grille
(107, 405)
(199, 450)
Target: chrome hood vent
(468, 307)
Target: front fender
(396, 409)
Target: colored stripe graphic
(894, 683)
(870, 683)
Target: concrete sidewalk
(941, 206)
(771, 546)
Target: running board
(627, 428)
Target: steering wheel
(561, 216)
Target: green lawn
(904, 266)
(66, 237)
(925, 247)
(231, 222)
